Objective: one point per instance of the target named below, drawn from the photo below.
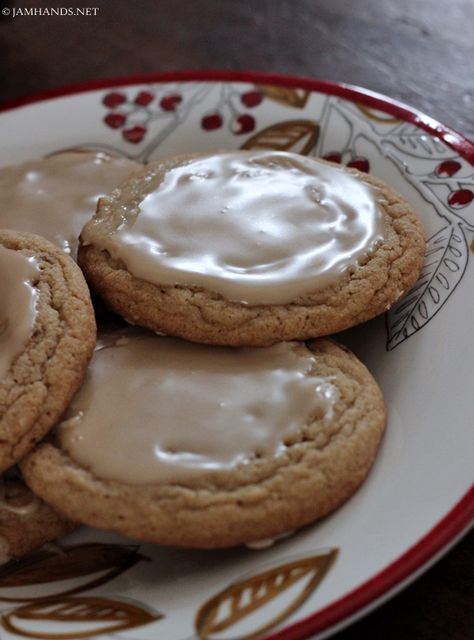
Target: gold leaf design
(103, 614)
(288, 96)
(64, 563)
(296, 135)
(371, 114)
(246, 596)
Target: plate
(417, 500)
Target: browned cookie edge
(44, 377)
(200, 315)
(262, 499)
(21, 533)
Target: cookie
(189, 445)
(54, 197)
(47, 337)
(251, 248)
(26, 522)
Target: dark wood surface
(418, 51)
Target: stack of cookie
(47, 326)
(224, 417)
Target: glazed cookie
(55, 196)
(182, 444)
(47, 337)
(26, 522)
(251, 248)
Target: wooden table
(420, 52)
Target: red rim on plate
(457, 521)
(349, 92)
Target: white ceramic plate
(417, 500)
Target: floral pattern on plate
(100, 584)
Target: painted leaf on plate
(93, 617)
(51, 564)
(377, 116)
(247, 595)
(299, 136)
(288, 96)
(409, 142)
(446, 259)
